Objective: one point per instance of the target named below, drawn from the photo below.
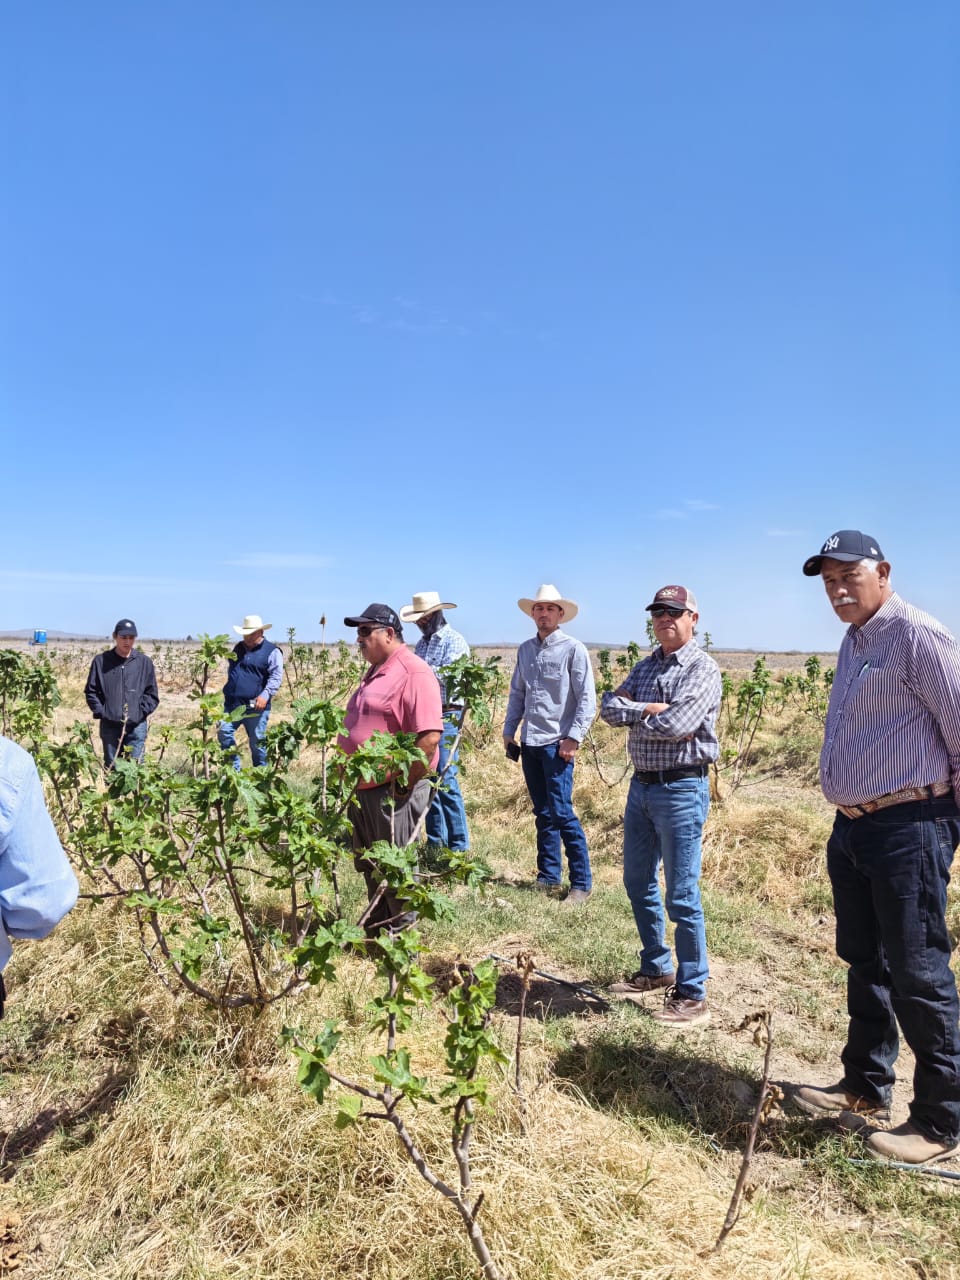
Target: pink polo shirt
(401, 696)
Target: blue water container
(39, 637)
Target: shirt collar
(553, 638)
(889, 609)
(686, 653)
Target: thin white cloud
(281, 560)
(697, 504)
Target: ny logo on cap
(831, 544)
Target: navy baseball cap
(125, 627)
(845, 544)
(380, 615)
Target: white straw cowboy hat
(251, 623)
(548, 594)
(424, 603)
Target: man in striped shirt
(891, 765)
(670, 701)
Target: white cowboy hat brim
(248, 631)
(409, 614)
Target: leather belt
(906, 796)
(450, 708)
(651, 777)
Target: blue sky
(304, 306)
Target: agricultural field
(207, 1072)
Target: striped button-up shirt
(894, 714)
(552, 691)
(440, 649)
(685, 734)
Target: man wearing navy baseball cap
(891, 765)
(121, 691)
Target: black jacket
(122, 689)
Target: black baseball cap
(845, 544)
(125, 627)
(380, 615)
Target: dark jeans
(549, 780)
(890, 872)
(131, 740)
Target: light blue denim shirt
(552, 691)
(37, 884)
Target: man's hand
(654, 708)
(260, 702)
(568, 748)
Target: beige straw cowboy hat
(424, 603)
(251, 623)
(548, 594)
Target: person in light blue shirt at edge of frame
(37, 883)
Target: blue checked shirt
(440, 649)
(684, 734)
(894, 715)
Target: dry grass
(146, 1137)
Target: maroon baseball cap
(674, 597)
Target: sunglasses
(669, 610)
(363, 632)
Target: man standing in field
(891, 765)
(670, 701)
(121, 691)
(398, 694)
(438, 646)
(255, 674)
(552, 691)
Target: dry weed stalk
(762, 1021)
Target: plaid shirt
(440, 649)
(684, 734)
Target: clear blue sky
(307, 305)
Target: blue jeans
(664, 821)
(134, 740)
(256, 726)
(446, 821)
(889, 871)
(549, 780)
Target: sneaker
(680, 1011)
(836, 1099)
(908, 1145)
(576, 897)
(638, 983)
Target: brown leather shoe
(638, 983)
(577, 897)
(834, 1099)
(679, 1011)
(909, 1146)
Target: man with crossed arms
(670, 701)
